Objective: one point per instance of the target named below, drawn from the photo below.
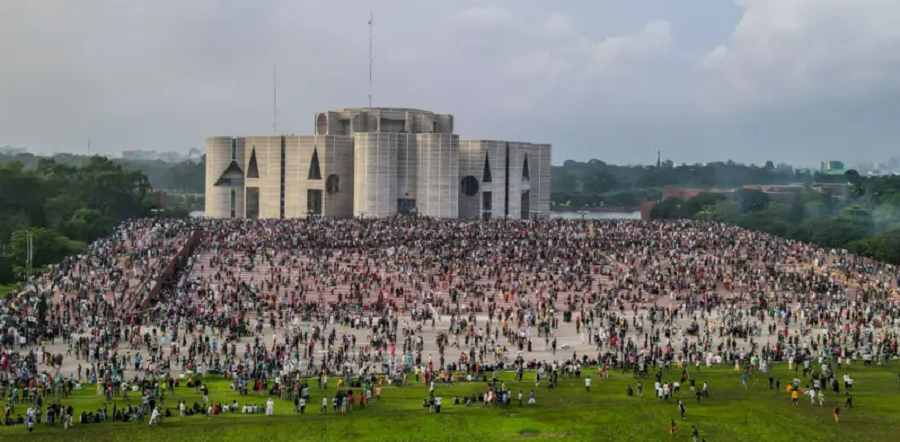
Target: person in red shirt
(837, 412)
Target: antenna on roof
(371, 58)
(275, 97)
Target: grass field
(732, 414)
(4, 289)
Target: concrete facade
(376, 162)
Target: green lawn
(605, 414)
(6, 288)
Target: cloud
(788, 52)
(484, 17)
(542, 58)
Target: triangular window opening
(252, 168)
(525, 174)
(315, 173)
(233, 171)
(486, 178)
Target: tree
(796, 214)
(48, 247)
(65, 204)
(752, 200)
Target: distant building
(830, 167)
(136, 155)
(172, 157)
(686, 193)
(376, 162)
(780, 192)
(833, 165)
(11, 151)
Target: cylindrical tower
(438, 175)
(220, 176)
(375, 174)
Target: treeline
(595, 183)
(64, 207)
(865, 220)
(183, 177)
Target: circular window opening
(469, 186)
(332, 184)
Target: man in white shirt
(587, 384)
(437, 404)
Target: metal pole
(274, 97)
(371, 58)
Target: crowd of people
(276, 304)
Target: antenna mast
(275, 97)
(371, 58)
(89, 146)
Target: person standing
(837, 412)
(587, 384)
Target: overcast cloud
(701, 80)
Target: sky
(795, 81)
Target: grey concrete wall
(407, 166)
(471, 163)
(218, 157)
(414, 156)
(375, 174)
(540, 178)
(516, 158)
(336, 159)
(496, 152)
(384, 119)
(221, 152)
(268, 157)
(438, 175)
(297, 157)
